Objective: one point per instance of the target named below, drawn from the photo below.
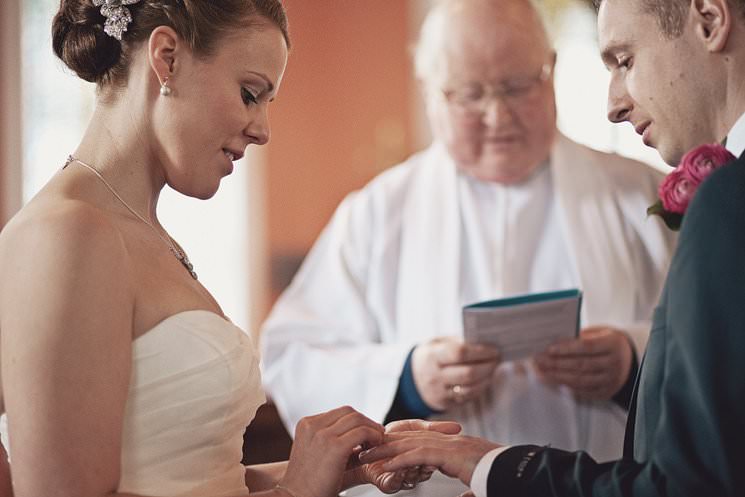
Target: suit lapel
(628, 438)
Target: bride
(120, 374)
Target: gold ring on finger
(457, 394)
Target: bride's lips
(231, 155)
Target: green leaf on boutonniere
(671, 219)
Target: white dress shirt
(736, 137)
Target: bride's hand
(323, 447)
(407, 478)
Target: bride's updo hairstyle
(80, 42)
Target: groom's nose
(619, 102)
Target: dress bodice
(195, 385)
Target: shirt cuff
(481, 472)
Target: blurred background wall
(344, 114)
(348, 109)
(10, 108)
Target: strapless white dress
(194, 388)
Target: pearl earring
(165, 90)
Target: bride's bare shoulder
(60, 232)
(58, 221)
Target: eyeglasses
(476, 98)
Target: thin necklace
(177, 252)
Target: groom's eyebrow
(608, 54)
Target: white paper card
(525, 325)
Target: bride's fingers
(345, 415)
(411, 476)
(360, 435)
(426, 473)
(390, 482)
(353, 420)
(320, 426)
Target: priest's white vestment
(402, 256)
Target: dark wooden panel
(266, 439)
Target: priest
(500, 204)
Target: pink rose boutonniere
(678, 187)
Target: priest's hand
(595, 365)
(448, 372)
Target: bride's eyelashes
(248, 96)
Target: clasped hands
(326, 456)
(448, 372)
(412, 450)
(345, 442)
(595, 366)
(418, 448)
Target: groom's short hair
(671, 14)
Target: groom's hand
(454, 455)
(595, 365)
(404, 478)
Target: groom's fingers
(446, 427)
(398, 443)
(414, 456)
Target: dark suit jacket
(686, 429)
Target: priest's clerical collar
(735, 141)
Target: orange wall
(342, 115)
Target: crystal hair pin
(117, 16)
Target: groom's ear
(712, 22)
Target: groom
(678, 76)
